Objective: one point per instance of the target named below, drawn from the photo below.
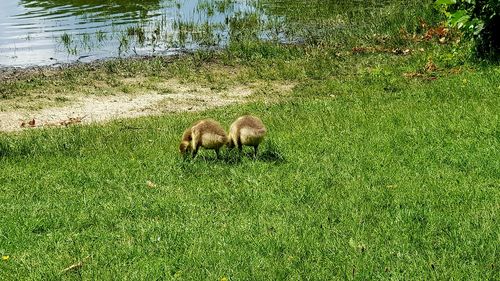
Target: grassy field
(359, 185)
(380, 164)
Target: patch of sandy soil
(92, 109)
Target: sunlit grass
(357, 184)
(381, 164)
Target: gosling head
(229, 142)
(184, 148)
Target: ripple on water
(41, 32)
(46, 32)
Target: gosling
(246, 130)
(206, 133)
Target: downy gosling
(246, 130)
(206, 133)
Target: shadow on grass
(226, 157)
(270, 153)
(273, 156)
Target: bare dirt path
(90, 109)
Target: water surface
(51, 32)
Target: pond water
(52, 32)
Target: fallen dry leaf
(423, 24)
(72, 121)
(72, 267)
(398, 51)
(427, 73)
(30, 123)
(75, 266)
(395, 51)
(412, 74)
(430, 66)
(441, 32)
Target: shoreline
(104, 90)
(13, 72)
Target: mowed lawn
(354, 181)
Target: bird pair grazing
(207, 133)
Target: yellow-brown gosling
(206, 133)
(246, 130)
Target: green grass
(377, 166)
(323, 50)
(372, 184)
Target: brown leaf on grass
(395, 51)
(428, 35)
(441, 31)
(381, 39)
(427, 73)
(30, 123)
(72, 121)
(430, 66)
(73, 267)
(423, 23)
(429, 32)
(455, 70)
(412, 74)
(398, 51)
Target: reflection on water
(49, 32)
(99, 7)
